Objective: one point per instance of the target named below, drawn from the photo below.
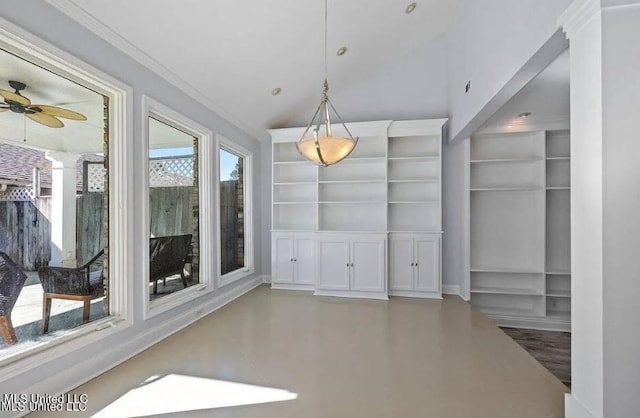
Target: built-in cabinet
(390, 186)
(520, 228)
(415, 264)
(293, 260)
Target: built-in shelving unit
(520, 228)
(391, 182)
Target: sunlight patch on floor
(178, 393)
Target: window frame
(152, 108)
(249, 267)
(35, 50)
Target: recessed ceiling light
(276, 91)
(410, 8)
(342, 51)
(524, 115)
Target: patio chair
(82, 283)
(167, 257)
(12, 280)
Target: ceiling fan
(44, 114)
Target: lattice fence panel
(17, 194)
(165, 172)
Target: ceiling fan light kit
(44, 114)
(318, 143)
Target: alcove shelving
(520, 228)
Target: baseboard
(86, 370)
(451, 289)
(574, 409)
(266, 278)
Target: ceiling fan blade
(46, 120)
(16, 98)
(58, 112)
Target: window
(235, 212)
(59, 277)
(178, 223)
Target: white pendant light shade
(326, 150)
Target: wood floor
(551, 349)
(290, 354)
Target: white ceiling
(235, 52)
(546, 97)
(44, 87)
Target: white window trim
(121, 262)
(249, 268)
(206, 147)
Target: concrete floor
(290, 354)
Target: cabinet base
(412, 294)
(351, 294)
(293, 286)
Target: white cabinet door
(367, 265)
(282, 259)
(304, 261)
(427, 264)
(401, 261)
(333, 264)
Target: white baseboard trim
(86, 370)
(574, 409)
(451, 289)
(266, 278)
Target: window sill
(176, 299)
(234, 276)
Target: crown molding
(90, 22)
(578, 14)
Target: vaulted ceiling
(234, 53)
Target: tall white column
(63, 208)
(604, 39)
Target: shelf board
(559, 293)
(558, 158)
(507, 291)
(416, 158)
(558, 188)
(352, 202)
(415, 181)
(363, 159)
(562, 315)
(519, 312)
(295, 203)
(506, 160)
(498, 270)
(294, 183)
(350, 181)
(414, 202)
(558, 273)
(506, 189)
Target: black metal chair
(82, 283)
(12, 280)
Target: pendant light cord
(326, 84)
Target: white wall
(59, 30)
(455, 216)
(494, 43)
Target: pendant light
(318, 143)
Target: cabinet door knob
(416, 264)
(347, 264)
(295, 260)
(411, 264)
(351, 264)
(292, 260)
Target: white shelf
(416, 158)
(352, 202)
(498, 270)
(507, 189)
(350, 181)
(559, 293)
(414, 202)
(557, 158)
(519, 312)
(559, 315)
(432, 180)
(292, 183)
(507, 160)
(295, 203)
(507, 291)
(558, 273)
(348, 160)
(558, 188)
